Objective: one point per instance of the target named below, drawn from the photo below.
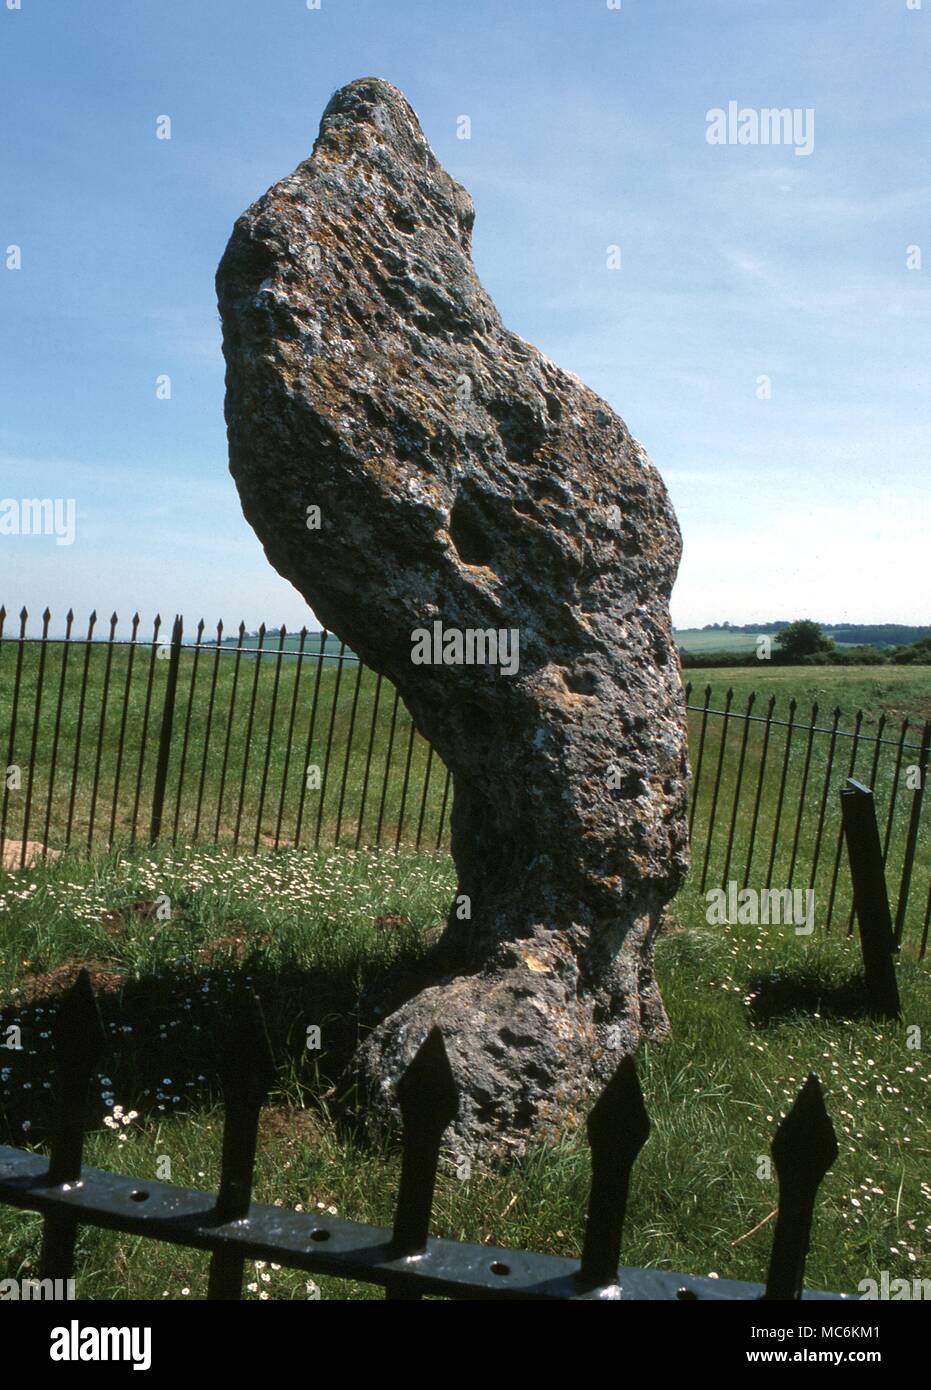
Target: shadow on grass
(166, 1031)
(782, 994)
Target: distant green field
(695, 639)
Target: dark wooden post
(870, 897)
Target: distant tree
(803, 638)
(918, 654)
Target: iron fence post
(79, 1039)
(912, 839)
(164, 743)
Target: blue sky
(588, 130)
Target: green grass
(734, 834)
(238, 767)
(379, 782)
(899, 692)
(753, 1011)
(232, 736)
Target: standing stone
(468, 485)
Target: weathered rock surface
(466, 480)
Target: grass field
(694, 639)
(752, 1009)
(899, 692)
(697, 640)
(777, 821)
(246, 731)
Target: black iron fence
(274, 738)
(405, 1260)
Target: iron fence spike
(427, 1093)
(618, 1127)
(429, 1101)
(78, 1034)
(803, 1149)
(618, 1120)
(247, 1071)
(805, 1143)
(78, 1040)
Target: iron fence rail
(275, 738)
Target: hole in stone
(581, 682)
(137, 1195)
(686, 1295)
(498, 1268)
(468, 535)
(403, 219)
(319, 1234)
